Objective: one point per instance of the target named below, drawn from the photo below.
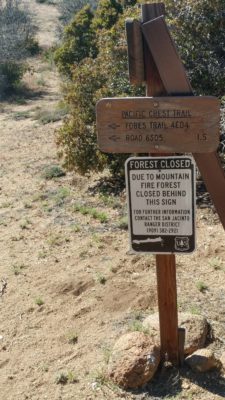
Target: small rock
(94, 385)
(185, 385)
(222, 360)
(196, 329)
(202, 360)
(134, 360)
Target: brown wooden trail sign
(158, 124)
(165, 75)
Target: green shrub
(78, 42)
(10, 76)
(123, 223)
(39, 301)
(105, 75)
(16, 35)
(53, 171)
(84, 210)
(50, 2)
(201, 286)
(46, 116)
(68, 9)
(32, 46)
(107, 14)
(72, 338)
(198, 27)
(62, 378)
(66, 377)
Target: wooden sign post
(165, 264)
(168, 120)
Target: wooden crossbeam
(214, 177)
(166, 57)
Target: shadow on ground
(113, 185)
(22, 94)
(168, 382)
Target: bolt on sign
(161, 203)
(158, 124)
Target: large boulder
(134, 360)
(202, 360)
(217, 331)
(196, 329)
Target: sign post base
(167, 303)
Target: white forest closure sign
(158, 124)
(161, 203)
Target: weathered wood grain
(135, 52)
(167, 300)
(170, 67)
(152, 11)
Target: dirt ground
(69, 286)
